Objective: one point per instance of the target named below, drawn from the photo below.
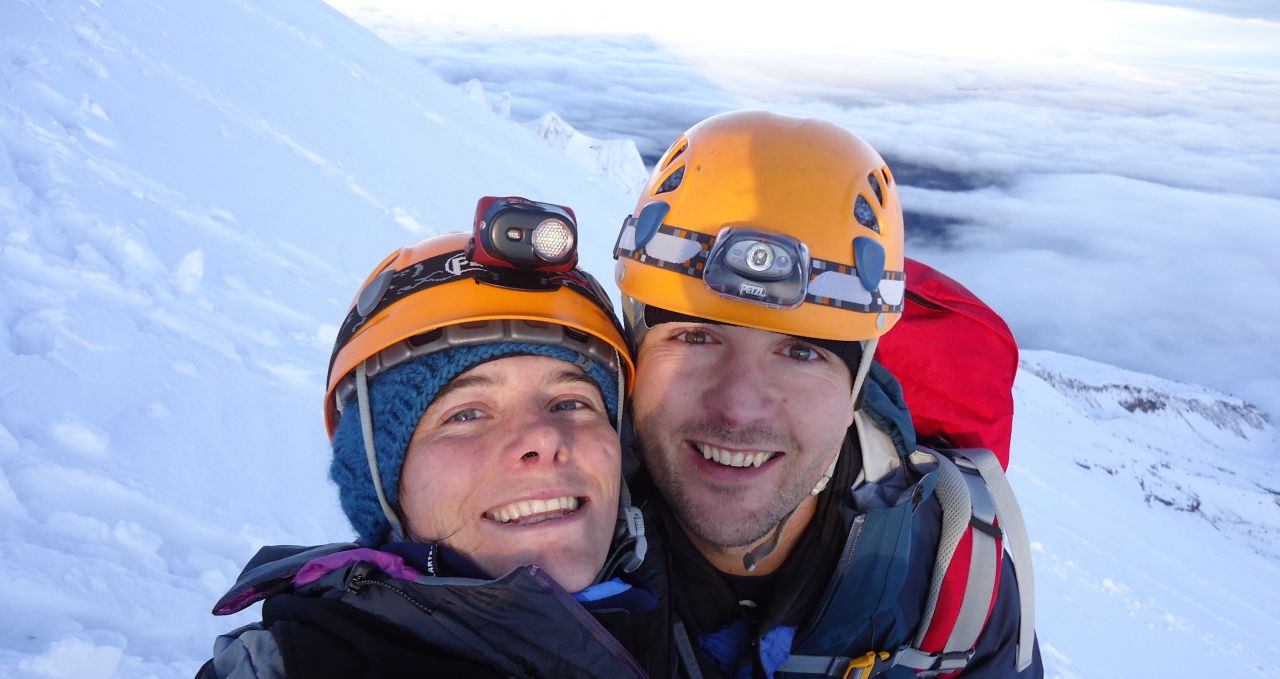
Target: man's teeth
(732, 459)
(527, 508)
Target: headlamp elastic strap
(828, 283)
(453, 266)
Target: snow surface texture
(191, 194)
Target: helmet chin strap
(629, 542)
(366, 426)
(859, 381)
(629, 545)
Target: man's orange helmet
(767, 221)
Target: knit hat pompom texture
(397, 400)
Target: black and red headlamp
(516, 232)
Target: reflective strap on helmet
(454, 266)
(589, 348)
(830, 283)
(988, 466)
(366, 426)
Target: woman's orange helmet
(432, 295)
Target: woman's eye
(465, 415)
(571, 404)
(803, 352)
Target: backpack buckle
(932, 664)
(865, 667)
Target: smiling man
(763, 263)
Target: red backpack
(956, 360)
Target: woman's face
(515, 462)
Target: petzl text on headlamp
(758, 266)
(517, 232)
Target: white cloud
(1131, 151)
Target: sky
(181, 235)
(1106, 174)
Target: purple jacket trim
(239, 603)
(388, 563)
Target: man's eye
(465, 415)
(694, 337)
(803, 352)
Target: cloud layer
(1112, 187)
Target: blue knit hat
(397, 400)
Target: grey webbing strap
(984, 562)
(953, 494)
(366, 426)
(821, 665)
(970, 492)
(923, 663)
(864, 366)
(684, 650)
(1019, 545)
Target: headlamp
(515, 232)
(758, 266)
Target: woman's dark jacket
(345, 611)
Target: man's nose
(741, 389)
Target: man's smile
(733, 458)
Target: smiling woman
(517, 463)
(474, 411)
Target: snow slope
(1154, 512)
(190, 195)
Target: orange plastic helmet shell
(464, 301)
(807, 179)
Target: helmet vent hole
(674, 152)
(874, 179)
(672, 182)
(864, 214)
(576, 335)
(888, 177)
(423, 339)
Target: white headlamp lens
(759, 257)
(552, 240)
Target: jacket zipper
(360, 581)
(842, 569)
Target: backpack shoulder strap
(965, 572)
(967, 569)
(1015, 530)
(978, 512)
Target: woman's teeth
(533, 511)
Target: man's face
(514, 463)
(737, 425)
